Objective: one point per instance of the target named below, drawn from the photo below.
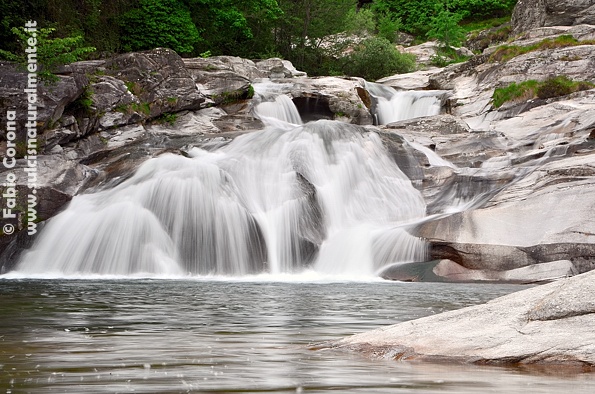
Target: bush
(556, 87)
(551, 87)
(159, 23)
(524, 90)
(375, 58)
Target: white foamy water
(392, 105)
(324, 196)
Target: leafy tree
(240, 28)
(377, 57)
(159, 23)
(388, 25)
(51, 52)
(414, 15)
(301, 33)
(360, 21)
(445, 28)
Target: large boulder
(549, 325)
(276, 68)
(52, 97)
(159, 78)
(527, 15)
(530, 14)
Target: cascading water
(324, 196)
(392, 106)
(272, 106)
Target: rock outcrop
(513, 166)
(530, 14)
(548, 325)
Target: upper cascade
(392, 105)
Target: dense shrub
(524, 90)
(377, 57)
(551, 87)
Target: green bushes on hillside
(551, 87)
(297, 30)
(375, 58)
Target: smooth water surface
(229, 336)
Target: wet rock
(449, 271)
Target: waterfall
(392, 106)
(324, 196)
(273, 106)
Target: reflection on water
(217, 336)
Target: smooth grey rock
(275, 68)
(418, 80)
(527, 15)
(449, 271)
(549, 325)
(530, 14)
(243, 67)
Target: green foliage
(524, 90)
(84, 102)
(360, 21)
(415, 15)
(480, 9)
(168, 118)
(15, 13)
(241, 28)
(476, 26)
(551, 87)
(235, 96)
(159, 23)
(388, 25)
(377, 57)
(300, 33)
(561, 86)
(51, 52)
(444, 27)
(142, 108)
(507, 52)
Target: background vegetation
(310, 33)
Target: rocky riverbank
(548, 325)
(540, 224)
